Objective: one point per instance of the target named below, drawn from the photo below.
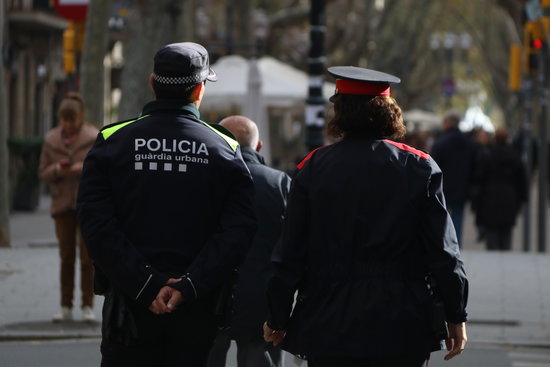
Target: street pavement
(509, 301)
(29, 282)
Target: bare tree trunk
(95, 46)
(4, 196)
(151, 25)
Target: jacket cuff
(457, 319)
(187, 289)
(275, 326)
(151, 288)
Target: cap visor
(212, 76)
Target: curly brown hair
(376, 117)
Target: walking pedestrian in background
(483, 140)
(501, 190)
(250, 305)
(63, 152)
(166, 208)
(366, 224)
(454, 152)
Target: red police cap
(361, 81)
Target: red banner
(72, 9)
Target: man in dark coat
(454, 152)
(501, 182)
(250, 305)
(366, 225)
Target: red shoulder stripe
(408, 148)
(307, 158)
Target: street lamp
(315, 103)
(260, 23)
(448, 42)
(254, 106)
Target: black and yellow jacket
(165, 195)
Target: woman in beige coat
(63, 153)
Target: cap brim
(212, 76)
(362, 74)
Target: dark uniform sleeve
(289, 255)
(228, 245)
(125, 267)
(439, 238)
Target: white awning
(281, 85)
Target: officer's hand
(273, 336)
(176, 298)
(456, 340)
(157, 306)
(167, 300)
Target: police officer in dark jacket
(250, 305)
(166, 208)
(365, 229)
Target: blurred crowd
(480, 167)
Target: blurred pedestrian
(63, 152)
(366, 225)
(483, 140)
(501, 182)
(454, 152)
(417, 138)
(250, 305)
(166, 208)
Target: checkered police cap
(184, 63)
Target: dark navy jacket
(250, 305)
(166, 195)
(365, 224)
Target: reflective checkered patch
(193, 79)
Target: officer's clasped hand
(167, 300)
(273, 336)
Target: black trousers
(251, 352)
(180, 338)
(499, 238)
(420, 360)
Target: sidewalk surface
(29, 283)
(509, 292)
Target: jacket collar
(251, 156)
(173, 105)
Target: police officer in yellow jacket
(166, 207)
